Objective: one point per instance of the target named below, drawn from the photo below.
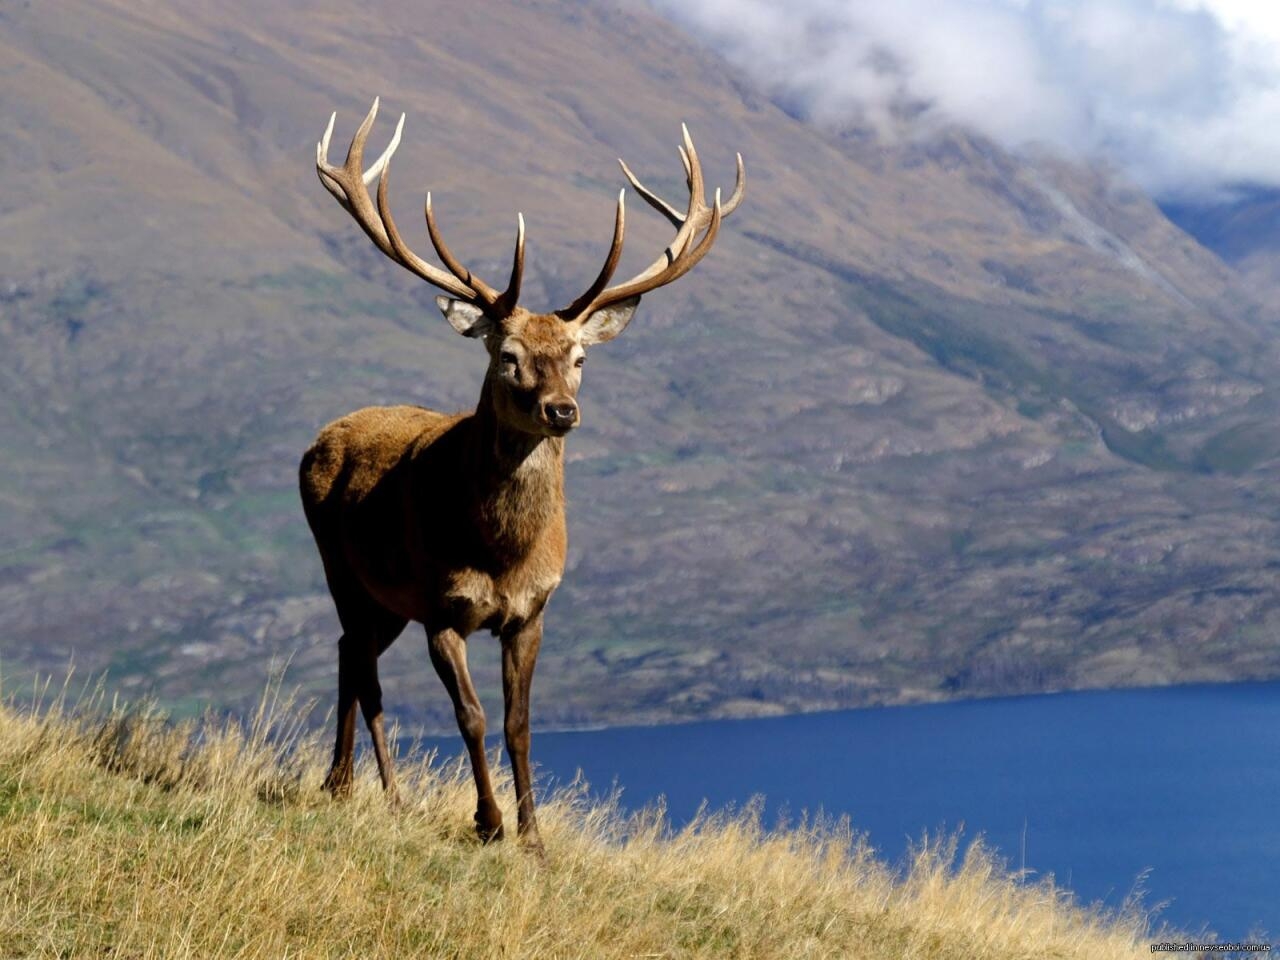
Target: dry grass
(124, 836)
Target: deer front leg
(519, 653)
(449, 656)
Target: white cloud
(1183, 94)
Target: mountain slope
(931, 420)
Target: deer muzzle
(560, 415)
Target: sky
(1183, 95)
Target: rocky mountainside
(932, 419)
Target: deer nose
(560, 413)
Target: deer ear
(468, 319)
(607, 322)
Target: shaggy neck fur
(521, 479)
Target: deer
(457, 520)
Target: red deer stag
(457, 520)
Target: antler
(350, 186)
(681, 254)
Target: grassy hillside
(932, 420)
(122, 836)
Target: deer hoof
(338, 786)
(488, 832)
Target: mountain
(932, 420)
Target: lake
(1179, 784)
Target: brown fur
(456, 522)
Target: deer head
(535, 359)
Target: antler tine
(375, 172)
(322, 163)
(739, 188)
(501, 304)
(697, 205)
(693, 168)
(512, 293)
(651, 198)
(484, 292)
(681, 254)
(610, 261)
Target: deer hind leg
(370, 697)
(368, 630)
(449, 656)
(338, 780)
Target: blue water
(1180, 784)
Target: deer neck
(520, 480)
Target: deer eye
(580, 361)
